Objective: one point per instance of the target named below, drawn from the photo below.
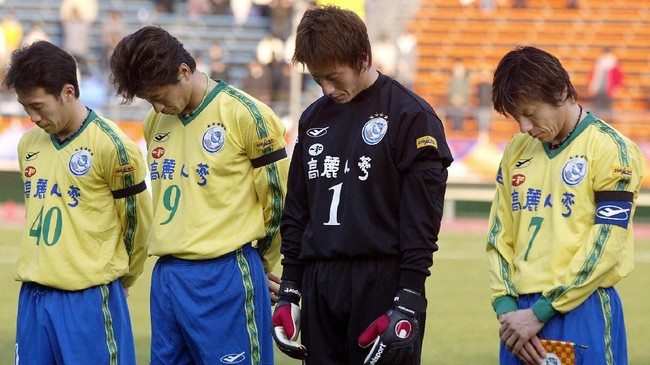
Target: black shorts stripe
(131, 190)
(614, 196)
(269, 158)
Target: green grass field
(461, 328)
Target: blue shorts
(90, 326)
(215, 311)
(596, 327)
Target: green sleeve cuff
(543, 309)
(505, 304)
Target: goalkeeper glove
(393, 335)
(286, 321)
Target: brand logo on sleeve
(613, 212)
(263, 143)
(426, 141)
(621, 171)
(124, 170)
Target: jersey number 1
(334, 206)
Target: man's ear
(68, 93)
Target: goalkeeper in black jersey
(363, 208)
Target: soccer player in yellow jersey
(87, 219)
(218, 171)
(560, 232)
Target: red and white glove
(286, 321)
(393, 334)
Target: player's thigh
(224, 301)
(32, 345)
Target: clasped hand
(518, 333)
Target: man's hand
(394, 333)
(533, 352)
(286, 321)
(273, 282)
(517, 328)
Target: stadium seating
(447, 30)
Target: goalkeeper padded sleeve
(286, 321)
(393, 335)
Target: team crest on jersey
(552, 359)
(80, 162)
(375, 129)
(214, 138)
(574, 171)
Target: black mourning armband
(131, 190)
(269, 158)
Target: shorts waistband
(173, 260)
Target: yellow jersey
(561, 221)
(218, 178)
(87, 209)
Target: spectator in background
(12, 34)
(268, 48)
(258, 82)
(604, 81)
(113, 28)
(281, 18)
(165, 6)
(484, 108)
(408, 55)
(77, 18)
(572, 4)
(218, 68)
(95, 89)
(519, 4)
(198, 8)
(201, 64)
(385, 55)
(280, 71)
(4, 56)
(12, 30)
(459, 92)
(36, 33)
(241, 10)
(220, 7)
(357, 6)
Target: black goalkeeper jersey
(367, 180)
